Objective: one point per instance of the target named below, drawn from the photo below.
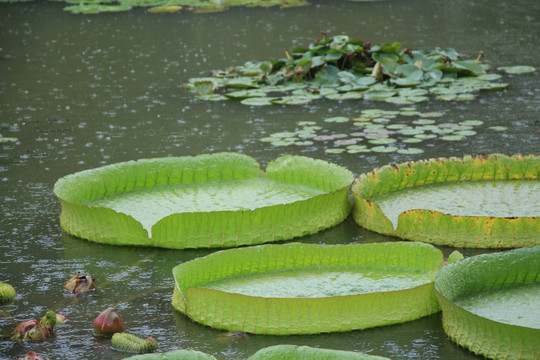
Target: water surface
(81, 92)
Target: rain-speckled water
(80, 92)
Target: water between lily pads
(80, 92)
(515, 198)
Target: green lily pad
(310, 286)
(382, 141)
(471, 122)
(174, 355)
(337, 119)
(7, 139)
(258, 101)
(384, 149)
(518, 69)
(334, 151)
(293, 100)
(219, 200)
(412, 140)
(306, 352)
(423, 122)
(425, 136)
(452, 137)
(96, 8)
(498, 128)
(410, 151)
(490, 303)
(482, 201)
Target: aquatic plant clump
(218, 200)
(341, 68)
(488, 201)
(168, 6)
(490, 303)
(36, 330)
(363, 286)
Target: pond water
(80, 92)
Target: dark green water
(84, 91)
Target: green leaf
(489, 303)
(480, 180)
(405, 269)
(518, 69)
(211, 200)
(174, 355)
(306, 352)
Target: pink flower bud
(108, 322)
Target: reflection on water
(84, 91)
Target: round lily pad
(219, 200)
(452, 137)
(490, 303)
(518, 69)
(382, 141)
(498, 128)
(337, 119)
(488, 201)
(471, 122)
(384, 149)
(312, 287)
(410, 151)
(258, 101)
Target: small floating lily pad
(490, 303)
(485, 201)
(174, 355)
(219, 200)
(518, 69)
(314, 288)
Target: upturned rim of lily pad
(488, 273)
(439, 228)
(205, 229)
(194, 296)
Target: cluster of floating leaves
(380, 131)
(341, 68)
(168, 6)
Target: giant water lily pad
(484, 201)
(219, 200)
(306, 352)
(308, 288)
(490, 303)
(268, 353)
